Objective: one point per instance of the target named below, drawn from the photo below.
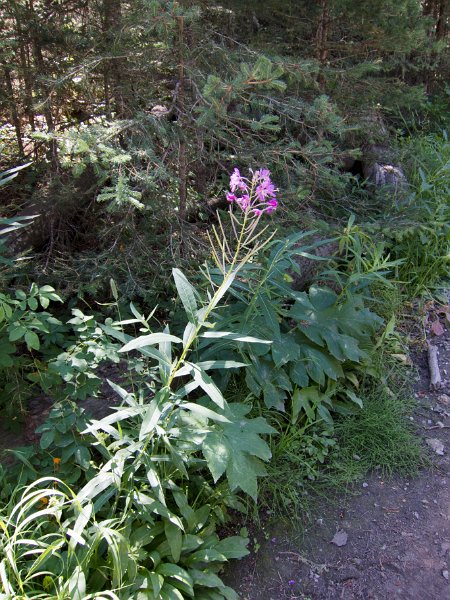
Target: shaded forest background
(133, 112)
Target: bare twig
(435, 375)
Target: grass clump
(320, 461)
(380, 436)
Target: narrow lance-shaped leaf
(186, 293)
(208, 385)
(149, 340)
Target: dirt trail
(396, 532)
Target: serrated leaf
(217, 453)
(298, 374)
(285, 349)
(269, 314)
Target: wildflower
(244, 202)
(291, 581)
(56, 463)
(271, 206)
(237, 181)
(44, 500)
(259, 192)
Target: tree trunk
(14, 114)
(25, 70)
(442, 19)
(113, 74)
(322, 34)
(43, 86)
(182, 159)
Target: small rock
(365, 485)
(445, 574)
(319, 521)
(445, 547)
(356, 457)
(436, 445)
(340, 538)
(425, 502)
(416, 515)
(444, 399)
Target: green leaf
(32, 303)
(298, 374)
(207, 384)
(187, 295)
(217, 453)
(16, 332)
(274, 397)
(97, 485)
(285, 349)
(242, 473)
(188, 334)
(175, 539)
(205, 578)
(32, 340)
(204, 412)
(269, 314)
(80, 525)
(157, 582)
(233, 547)
(237, 337)
(47, 439)
(240, 442)
(153, 413)
(205, 556)
(165, 364)
(82, 457)
(149, 340)
(76, 586)
(307, 400)
(168, 592)
(208, 365)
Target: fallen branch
(435, 375)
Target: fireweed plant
(161, 470)
(253, 196)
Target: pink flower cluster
(256, 194)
